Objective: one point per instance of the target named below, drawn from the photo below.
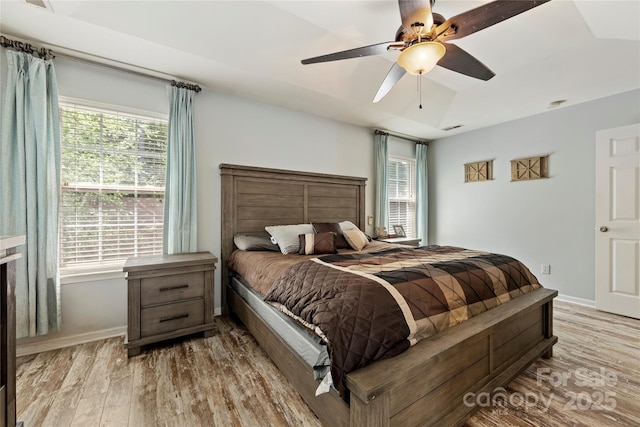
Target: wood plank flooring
(227, 380)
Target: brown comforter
(371, 306)
(261, 268)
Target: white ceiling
(576, 50)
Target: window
(112, 174)
(401, 187)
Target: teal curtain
(180, 208)
(381, 165)
(422, 194)
(30, 182)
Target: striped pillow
(317, 243)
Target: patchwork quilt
(370, 306)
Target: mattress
(307, 345)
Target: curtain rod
(44, 53)
(401, 136)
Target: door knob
(604, 229)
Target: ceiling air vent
(43, 4)
(452, 127)
(555, 104)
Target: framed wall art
(530, 168)
(478, 171)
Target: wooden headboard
(254, 197)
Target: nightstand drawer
(159, 290)
(170, 317)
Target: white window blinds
(402, 195)
(112, 174)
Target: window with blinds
(401, 187)
(112, 173)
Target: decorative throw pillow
(348, 225)
(286, 236)
(323, 227)
(317, 243)
(356, 238)
(246, 242)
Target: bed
(424, 385)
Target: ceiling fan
(422, 40)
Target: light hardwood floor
(227, 380)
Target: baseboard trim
(26, 349)
(576, 300)
(62, 342)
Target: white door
(618, 220)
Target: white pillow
(356, 239)
(286, 236)
(348, 225)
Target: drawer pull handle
(180, 316)
(173, 288)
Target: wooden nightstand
(169, 296)
(409, 241)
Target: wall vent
(452, 127)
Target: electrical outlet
(370, 220)
(545, 269)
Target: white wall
(548, 221)
(228, 129)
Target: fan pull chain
(420, 88)
(420, 79)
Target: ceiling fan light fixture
(420, 58)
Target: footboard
(427, 384)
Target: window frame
(100, 270)
(409, 230)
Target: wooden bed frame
(426, 384)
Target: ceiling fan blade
(482, 17)
(374, 49)
(459, 60)
(416, 15)
(393, 76)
